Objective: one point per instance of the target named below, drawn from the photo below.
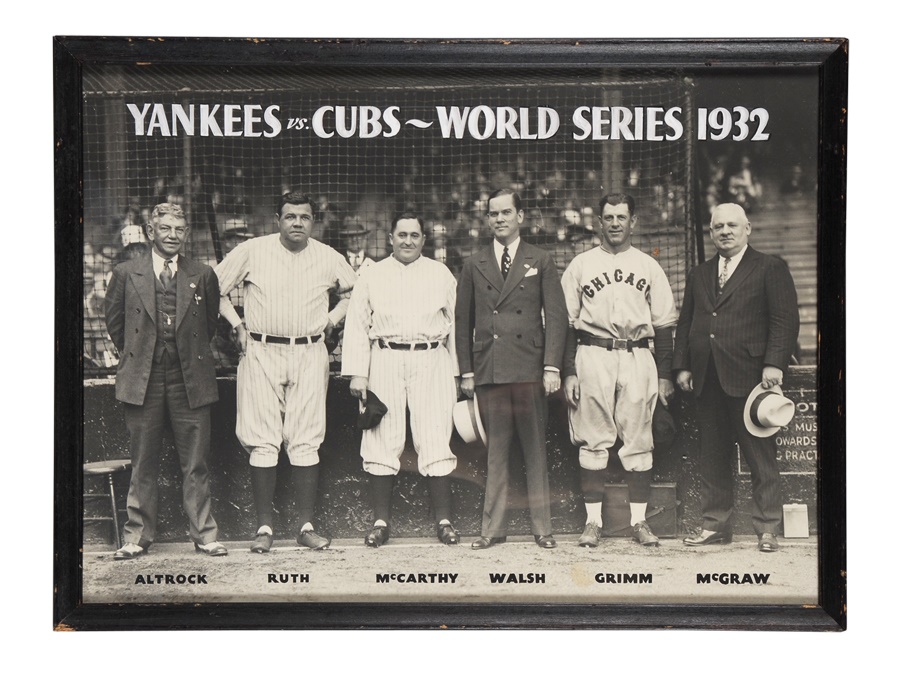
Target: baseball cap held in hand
(373, 412)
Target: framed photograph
(462, 334)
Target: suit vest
(166, 301)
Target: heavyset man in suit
(510, 332)
(161, 312)
(738, 326)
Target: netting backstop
(145, 144)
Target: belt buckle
(621, 344)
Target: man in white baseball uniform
(617, 299)
(399, 341)
(282, 378)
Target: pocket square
(531, 272)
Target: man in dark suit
(161, 312)
(738, 326)
(510, 358)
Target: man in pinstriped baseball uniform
(617, 298)
(283, 376)
(399, 340)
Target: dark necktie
(505, 262)
(165, 276)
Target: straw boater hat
(467, 420)
(767, 411)
(238, 228)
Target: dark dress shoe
(708, 537)
(262, 543)
(129, 551)
(768, 543)
(447, 534)
(378, 536)
(211, 549)
(545, 541)
(484, 543)
(308, 538)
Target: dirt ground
(421, 570)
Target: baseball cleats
(591, 536)
(262, 543)
(308, 538)
(447, 534)
(378, 536)
(643, 535)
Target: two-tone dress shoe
(708, 537)
(211, 549)
(545, 541)
(483, 542)
(262, 543)
(128, 551)
(447, 534)
(308, 538)
(767, 543)
(643, 535)
(591, 535)
(378, 536)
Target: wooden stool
(107, 468)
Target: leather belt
(275, 339)
(420, 346)
(610, 344)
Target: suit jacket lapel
(184, 292)
(746, 266)
(709, 274)
(522, 263)
(145, 283)
(486, 263)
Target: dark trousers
(166, 397)
(721, 420)
(511, 411)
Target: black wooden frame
(72, 54)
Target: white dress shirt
(159, 263)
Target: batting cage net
(226, 144)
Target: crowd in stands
(559, 217)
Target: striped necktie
(723, 277)
(165, 276)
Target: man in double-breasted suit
(161, 312)
(510, 357)
(738, 326)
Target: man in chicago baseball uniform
(282, 378)
(399, 341)
(161, 312)
(618, 299)
(510, 334)
(738, 326)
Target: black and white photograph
(408, 332)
